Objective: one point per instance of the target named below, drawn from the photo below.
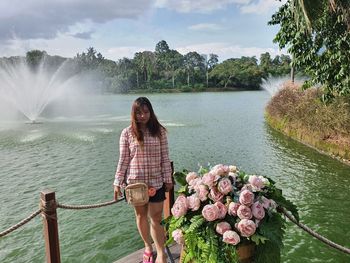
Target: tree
(89, 60)
(310, 11)
(209, 64)
(34, 57)
(238, 72)
(321, 47)
(146, 63)
(175, 62)
(124, 79)
(192, 62)
(163, 59)
(162, 47)
(266, 63)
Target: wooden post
(170, 197)
(52, 247)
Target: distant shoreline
(187, 90)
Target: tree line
(166, 69)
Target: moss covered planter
(245, 253)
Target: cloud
(198, 6)
(226, 51)
(45, 19)
(261, 7)
(205, 27)
(83, 35)
(208, 6)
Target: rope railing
(314, 234)
(79, 207)
(43, 209)
(63, 206)
(19, 224)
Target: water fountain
(273, 84)
(30, 88)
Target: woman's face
(143, 115)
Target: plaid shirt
(149, 164)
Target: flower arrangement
(220, 209)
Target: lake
(75, 150)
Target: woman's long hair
(153, 124)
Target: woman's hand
(117, 192)
(168, 187)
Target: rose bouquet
(220, 209)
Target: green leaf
(180, 178)
(277, 196)
(258, 239)
(203, 170)
(196, 222)
(182, 189)
(273, 230)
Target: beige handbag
(137, 194)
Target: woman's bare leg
(155, 211)
(143, 225)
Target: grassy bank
(302, 116)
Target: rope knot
(48, 209)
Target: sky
(120, 28)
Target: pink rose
(193, 202)
(220, 170)
(194, 184)
(208, 179)
(268, 203)
(202, 192)
(190, 176)
(265, 181)
(246, 197)
(215, 195)
(225, 186)
(231, 237)
(232, 208)
(222, 227)
(244, 212)
(210, 212)
(246, 227)
(222, 210)
(180, 206)
(178, 236)
(265, 202)
(256, 182)
(258, 210)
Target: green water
(75, 151)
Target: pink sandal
(147, 257)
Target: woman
(144, 157)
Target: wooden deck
(136, 257)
